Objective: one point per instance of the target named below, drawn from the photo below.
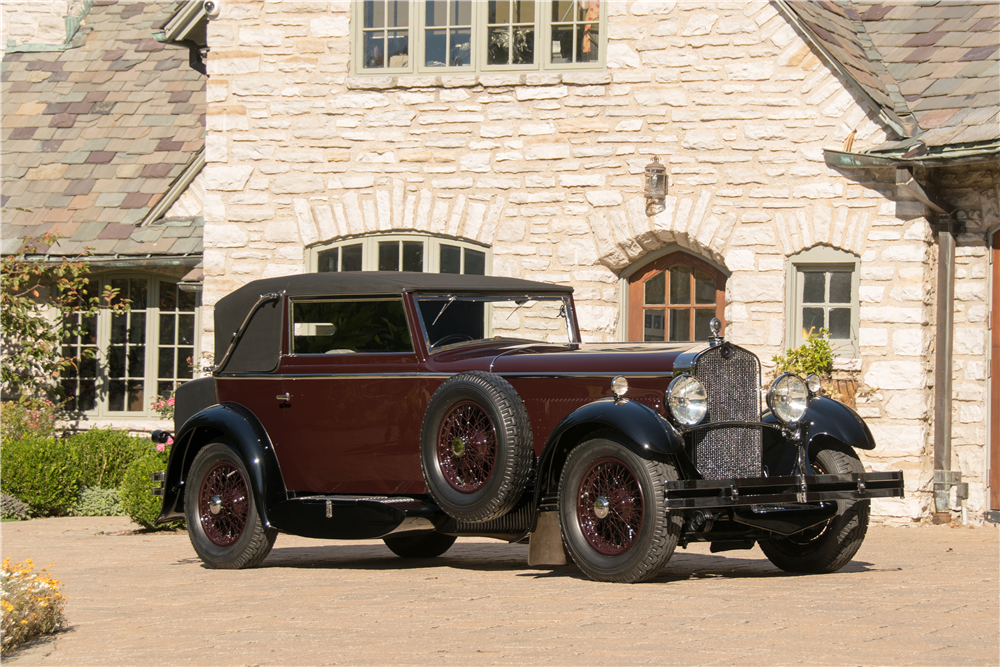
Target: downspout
(947, 229)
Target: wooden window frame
(637, 295)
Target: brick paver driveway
(923, 595)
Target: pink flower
(170, 401)
(161, 447)
(170, 439)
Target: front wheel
(830, 546)
(225, 529)
(612, 511)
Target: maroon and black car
(418, 408)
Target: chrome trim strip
(547, 376)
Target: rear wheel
(830, 546)
(222, 519)
(612, 511)
(423, 545)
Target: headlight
(814, 384)
(788, 398)
(687, 400)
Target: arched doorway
(673, 298)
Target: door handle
(286, 397)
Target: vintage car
(418, 408)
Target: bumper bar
(704, 493)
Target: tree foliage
(37, 300)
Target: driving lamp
(814, 384)
(619, 387)
(788, 398)
(686, 399)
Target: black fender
(653, 436)
(241, 429)
(824, 418)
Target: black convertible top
(259, 346)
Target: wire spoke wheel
(610, 507)
(223, 504)
(467, 447)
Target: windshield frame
(446, 299)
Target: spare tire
(475, 446)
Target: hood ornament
(715, 326)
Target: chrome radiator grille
(732, 379)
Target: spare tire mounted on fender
(475, 446)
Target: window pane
(437, 12)
(413, 256)
(89, 334)
(524, 46)
(118, 323)
(137, 293)
(653, 326)
(451, 259)
(185, 330)
(562, 44)
(116, 362)
(165, 365)
(813, 287)
(840, 323)
(462, 13)
(136, 361)
(329, 260)
(167, 330)
(351, 259)
(680, 325)
(475, 263)
(436, 48)
(168, 296)
(186, 300)
(137, 328)
(344, 327)
(185, 362)
(656, 289)
(702, 318)
(680, 286)
(704, 289)
(388, 256)
(840, 287)
(116, 395)
(812, 321)
(398, 47)
(398, 13)
(136, 393)
(374, 11)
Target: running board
(353, 517)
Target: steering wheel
(454, 338)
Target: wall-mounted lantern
(656, 187)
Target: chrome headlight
(686, 399)
(814, 384)
(788, 398)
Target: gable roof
(931, 68)
(99, 138)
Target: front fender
(833, 418)
(241, 429)
(650, 435)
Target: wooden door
(673, 298)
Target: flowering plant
(31, 604)
(164, 406)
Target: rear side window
(349, 326)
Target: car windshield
(448, 319)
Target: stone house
(103, 141)
(831, 165)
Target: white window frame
(150, 373)
(370, 242)
(417, 26)
(821, 258)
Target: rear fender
(648, 433)
(237, 426)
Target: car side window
(328, 326)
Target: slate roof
(94, 136)
(935, 63)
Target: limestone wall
(36, 21)
(547, 169)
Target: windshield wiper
(519, 304)
(450, 301)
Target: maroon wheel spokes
(609, 507)
(467, 447)
(223, 504)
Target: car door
(353, 399)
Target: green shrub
(95, 501)
(42, 472)
(105, 454)
(137, 502)
(815, 355)
(31, 603)
(12, 508)
(27, 417)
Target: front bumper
(706, 493)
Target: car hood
(591, 358)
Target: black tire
(607, 538)
(423, 545)
(475, 446)
(831, 546)
(232, 537)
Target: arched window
(673, 299)
(421, 253)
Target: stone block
(750, 71)
(970, 341)
(577, 252)
(293, 184)
(621, 56)
(872, 314)
(867, 294)
(702, 141)
(541, 93)
(897, 375)
(224, 236)
(604, 197)
(873, 337)
(597, 318)
(910, 342)
(900, 252)
(756, 288)
(582, 180)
